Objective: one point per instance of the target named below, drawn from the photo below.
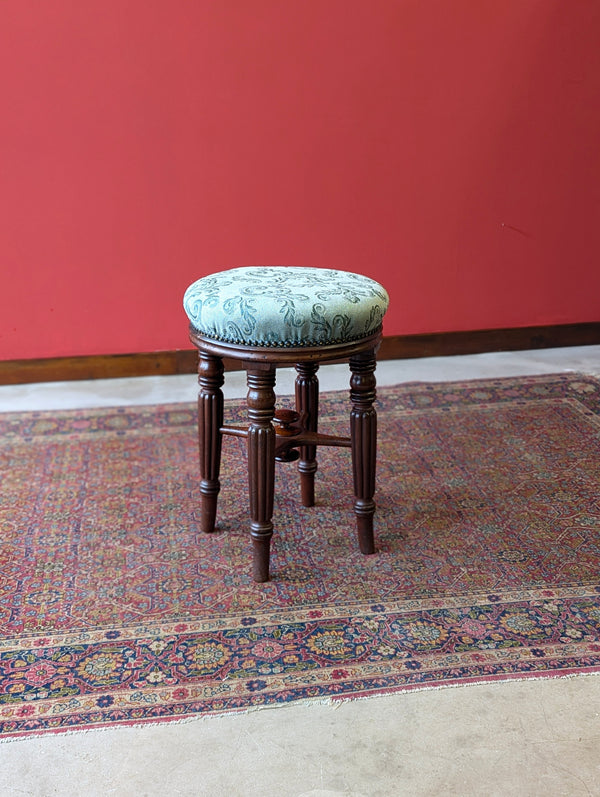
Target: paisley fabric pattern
(287, 306)
(115, 608)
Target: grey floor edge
(522, 738)
(183, 387)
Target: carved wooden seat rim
(282, 356)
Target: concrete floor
(522, 738)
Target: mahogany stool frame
(285, 435)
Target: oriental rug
(116, 609)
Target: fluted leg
(363, 430)
(307, 404)
(261, 466)
(210, 421)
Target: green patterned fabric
(285, 306)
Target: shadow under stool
(272, 316)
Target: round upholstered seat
(285, 306)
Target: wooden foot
(307, 405)
(363, 431)
(261, 465)
(210, 421)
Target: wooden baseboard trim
(183, 361)
(445, 344)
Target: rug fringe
(504, 679)
(333, 702)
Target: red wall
(449, 148)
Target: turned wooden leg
(307, 405)
(261, 465)
(210, 421)
(363, 431)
